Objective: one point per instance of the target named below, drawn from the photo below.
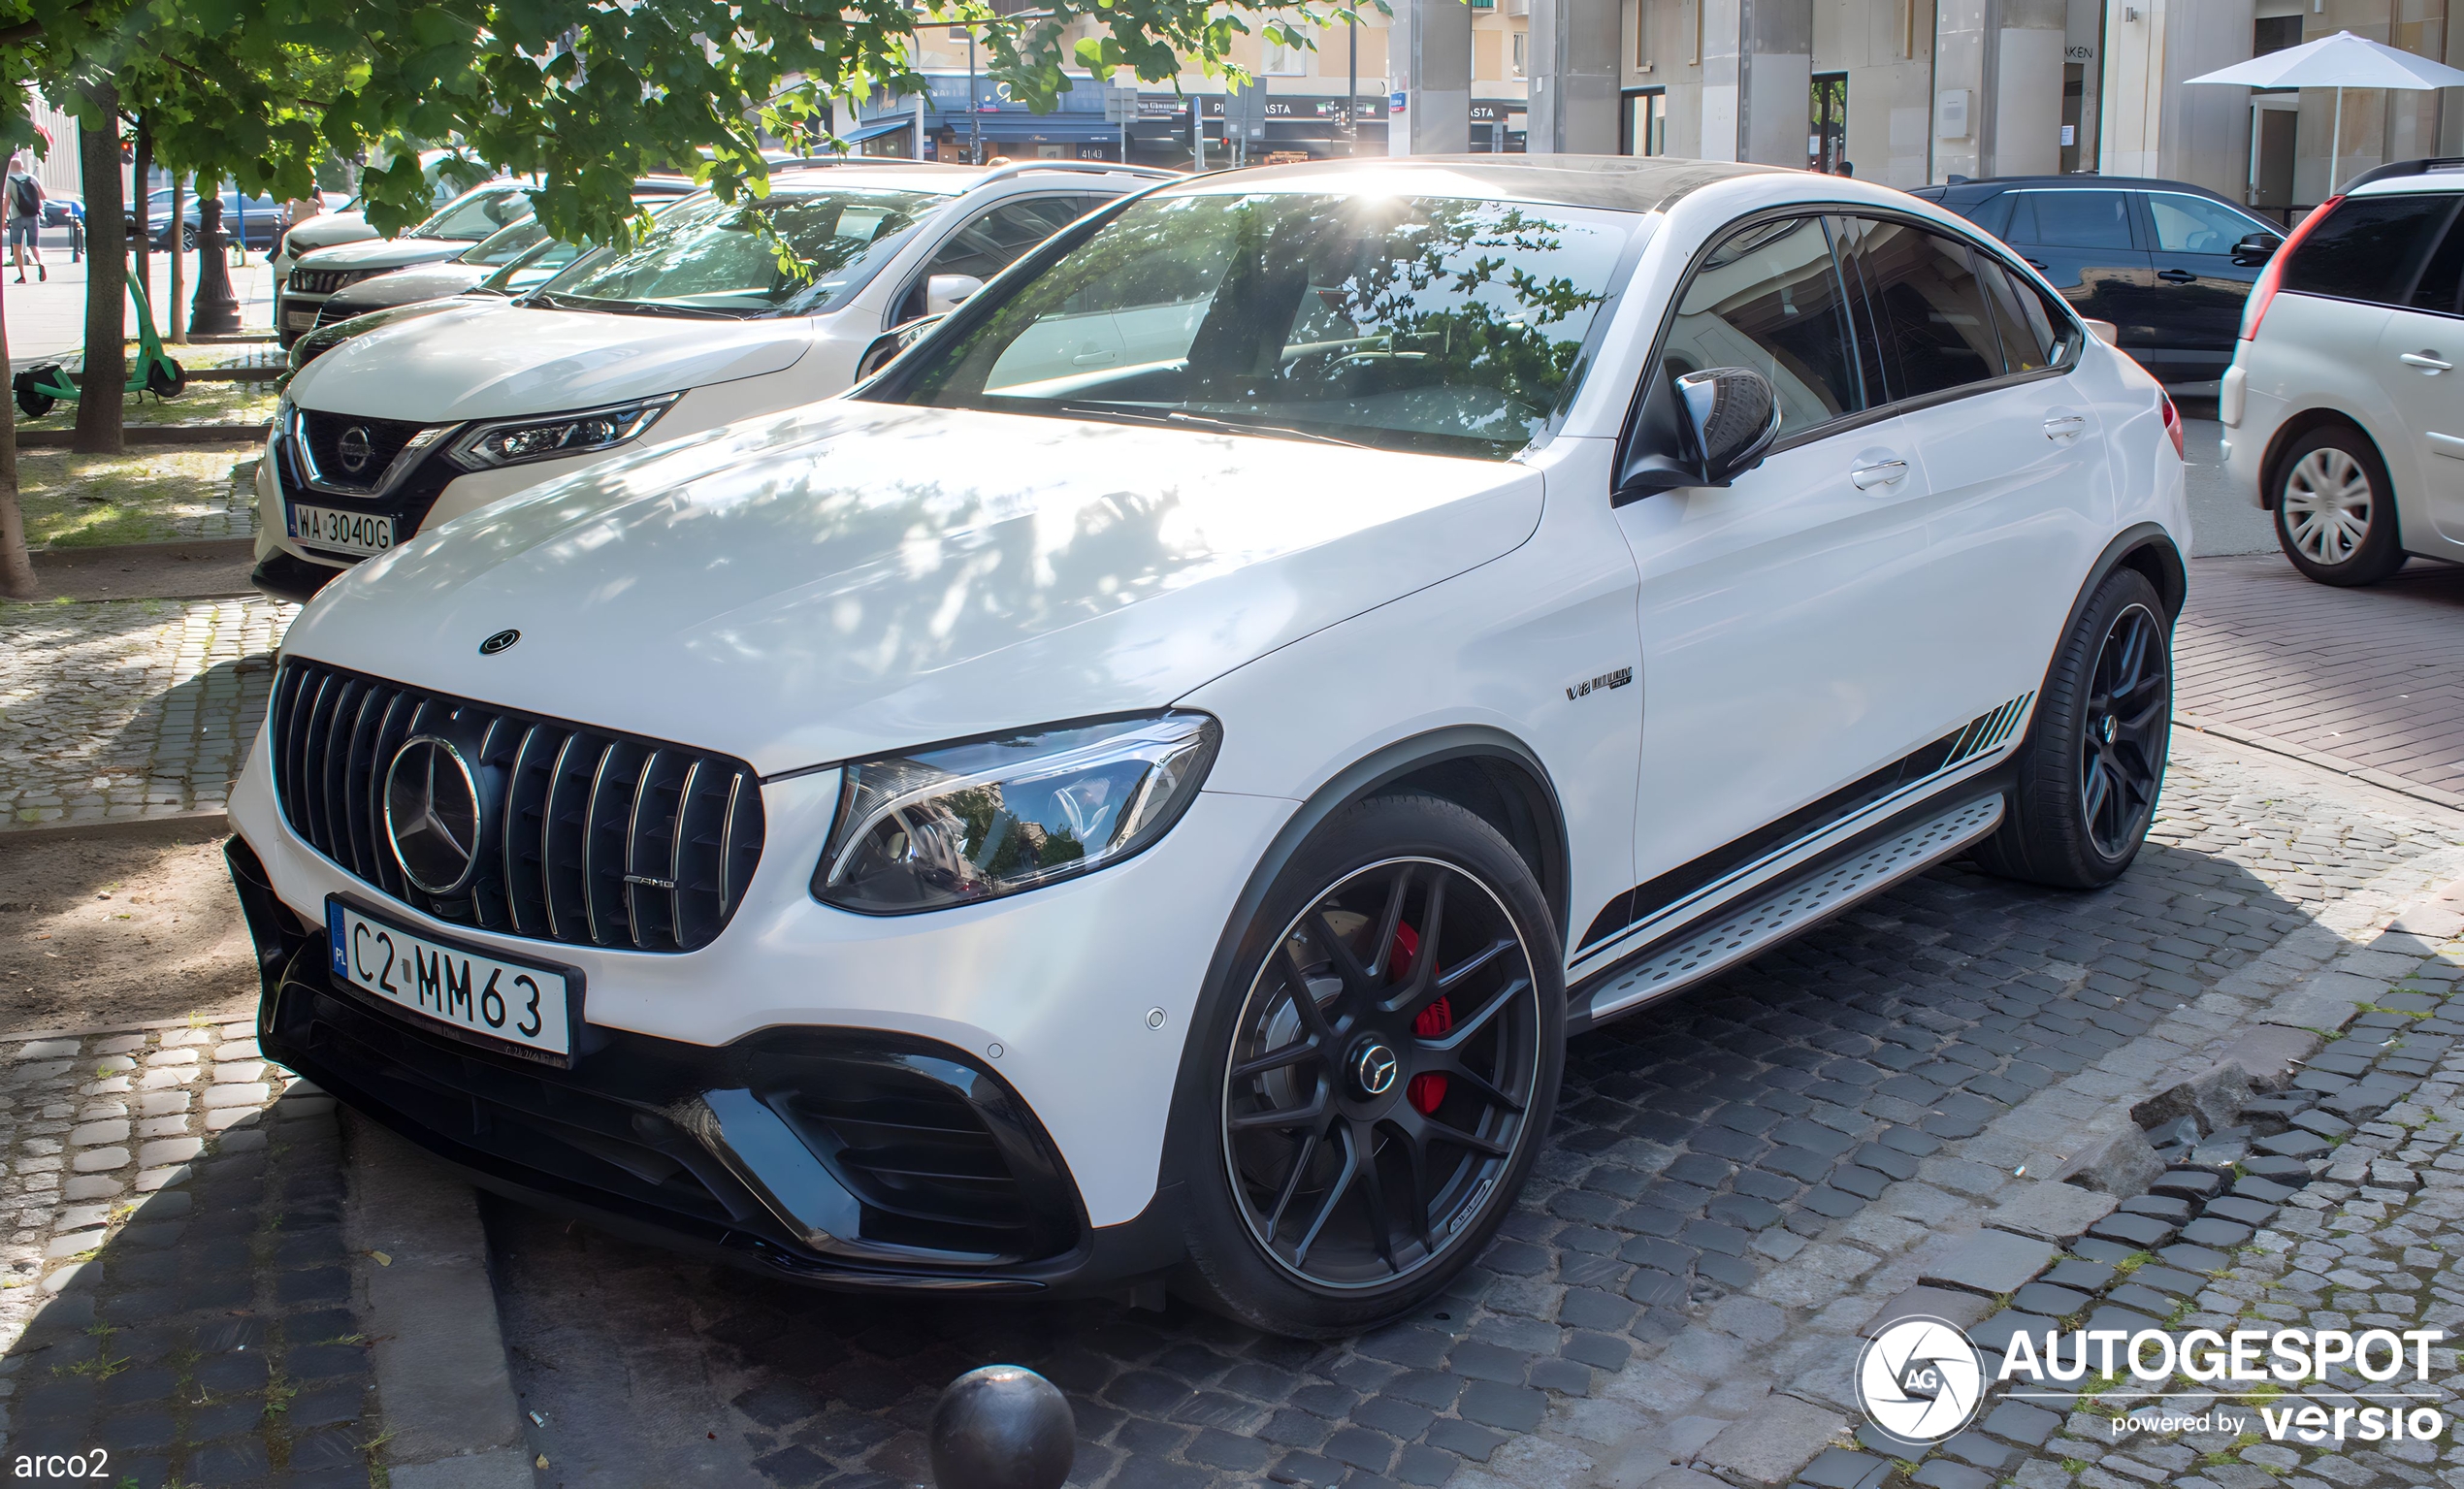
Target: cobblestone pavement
(2370, 676)
(175, 1292)
(130, 707)
(1724, 1170)
(2336, 1204)
(230, 510)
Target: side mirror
(2257, 248)
(946, 292)
(889, 343)
(2104, 331)
(1735, 415)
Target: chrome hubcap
(2327, 506)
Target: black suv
(2166, 262)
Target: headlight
(977, 821)
(545, 437)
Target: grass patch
(74, 501)
(202, 403)
(207, 403)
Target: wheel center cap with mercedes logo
(355, 449)
(432, 814)
(1373, 1067)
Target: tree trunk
(174, 325)
(142, 248)
(17, 570)
(98, 395)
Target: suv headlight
(993, 817)
(546, 436)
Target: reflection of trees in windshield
(1421, 281)
(788, 252)
(1438, 324)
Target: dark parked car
(2166, 262)
(261, 216)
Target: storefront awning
(877, 129)
(1049, 128)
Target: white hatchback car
(1067, 819)
(2339, 416)
(710, 318)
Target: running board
(1793, 906)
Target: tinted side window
(1930, 309)
(2437, 289)
(1770, 298)
(2189, 225)
(2367, 248)
(2072, 220)
(987, 246)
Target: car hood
(489, 359)
(850, 578)
(420, 281)
(385, 253)
(327, 229)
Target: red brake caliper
(1425, 1091)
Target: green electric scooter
(39, 388)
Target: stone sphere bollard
(1002, 1427)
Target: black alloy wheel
(2085, 783)
(2130, 701)
(1387, 1066)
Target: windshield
(712, 257)
(1431, 324)
(534, 266)
(506, 245)
(478, 214)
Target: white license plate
(362, 532)
(518, 1004)
(299, 320)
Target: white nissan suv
(2342, 411)
(723, 310)
(1141, 791)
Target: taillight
(2172, 422)
(2263, 292)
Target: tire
(188, 238)
(2330, 486)
(1289, 1229)
(2094, 765)
(166, 378)
(32, 400)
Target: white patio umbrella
(2340, 61)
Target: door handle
(2036, 264)
(2064, 425)
(1883, 473)
(2427, 360)
(2177, 277)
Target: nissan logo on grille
(432, 814)
(355, 449)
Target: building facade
(1905, 92)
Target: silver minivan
(2343, 413)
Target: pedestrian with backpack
(25, 216)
